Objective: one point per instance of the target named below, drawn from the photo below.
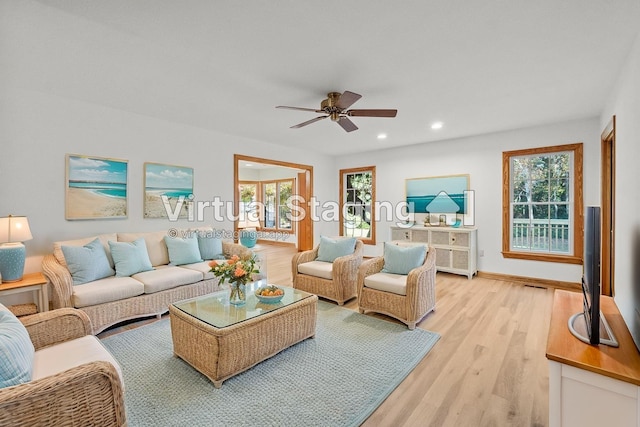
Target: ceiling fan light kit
(336, 107)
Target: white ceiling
(477, 66)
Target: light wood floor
(487, 369)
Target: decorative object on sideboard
(13, 231)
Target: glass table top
(216, 310)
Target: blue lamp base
(12, 257)
(248, 237)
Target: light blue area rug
(336, 379)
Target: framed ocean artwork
(168, 191)
(96, 187)
(439, 195)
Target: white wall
(624, 103)
(481, 157)
(39, 129)
(43, 118)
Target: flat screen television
(590, 325)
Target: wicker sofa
(74, 380)
(111, 300)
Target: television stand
(591, 385)
(578, 327)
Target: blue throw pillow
(16, 350)
(330, 249)
(403, 259)
(210, 247)
(87, 263)
(183, 251)
(130, 258)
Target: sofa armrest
(229, 249)
(89, 394)
(61, 281)
(52, 327)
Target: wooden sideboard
(456, 248)
(591, 385)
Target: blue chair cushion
(330, 249)
(403, 259)
(16, 350)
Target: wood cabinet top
(622, 363)
(435, 228)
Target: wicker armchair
(344, 275)
(420, 298)
(88, 395)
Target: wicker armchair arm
(305, 256)
(416, 281)
(367, 268)
(89, 394)
(61, 281)
(347, 266)
(52, 327)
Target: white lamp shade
(14, 229)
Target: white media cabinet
(456, 248)
(591, 385)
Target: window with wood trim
(248, 206)
(357, 201)
(275, 198)
(542, 204)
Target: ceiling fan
(335, 107)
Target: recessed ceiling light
(382, 136)
(248, 165)
(436, 125)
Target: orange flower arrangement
(234, 269)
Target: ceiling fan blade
(308, 122)
(347, 99)
(372, 113)
(347, 124)
(300, 109)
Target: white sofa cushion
(164, 278)
(106, 290)
(156, 248)
(202, 267)
(104, 239)
(387, 282)
(317, 269)
(70, 354)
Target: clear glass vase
(238, 296)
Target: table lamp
(13, 231)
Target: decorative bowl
(269, 299)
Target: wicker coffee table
(221, 340)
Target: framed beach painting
(440, 195)
(96, 187)
(168, 191)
